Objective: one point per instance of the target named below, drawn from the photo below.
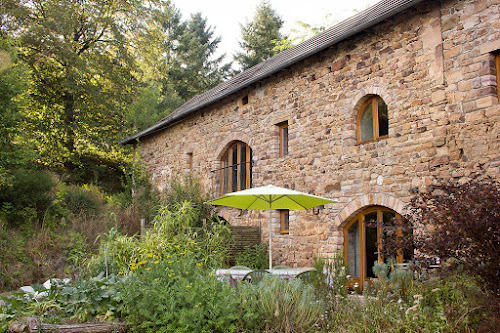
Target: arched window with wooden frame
(361, 239)
(236, 168)
(372, 120)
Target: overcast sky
(226, 15)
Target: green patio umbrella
(269, 197)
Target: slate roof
(339, 32)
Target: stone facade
(432, 64)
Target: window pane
(225, 175)
(371, 244)
(383, 118)
(353, 249)
(387, 217)
(285, 221)
(366, 124)
(243, 167)
(284, 143)
(250, 166)
(234, 169)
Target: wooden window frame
(361, 279)
(190, 162)
(497, 64)
(373, 99)
(284, 212)
(247, 167)
(282, 127)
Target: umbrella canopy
(269, 197)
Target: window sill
(373, 140)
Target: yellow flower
(188, 286)
(157, 261)
(132, 268)
(171, 274)
(199, 264)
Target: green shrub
(175, 294)
(189, 189)
(280, 305)
(27, 197)
(253, 256)
(83, 200)
(392, 281)
(168, 237)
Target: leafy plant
(459, 222)
(186, 298)
(188, 189)
(392, 281)
(253, 256)
(282, 305)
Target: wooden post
(143, 226)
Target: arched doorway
(361, 235)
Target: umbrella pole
(270, 233)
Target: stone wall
(432, 65)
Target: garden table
(238, 274)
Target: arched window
(361, 236)
(236, 168)
(373, 120)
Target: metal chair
(256, 276)
(307, 276)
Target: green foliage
(27, 198)
(173, 234)
(96, 297)
(260, 37)
(396, 302)
(12, 87)
(77, 249)
(185, 297)
(393, 281)
(189, 189)
(277, 305)
(253, 256)
(84, 199)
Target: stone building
(365, 113)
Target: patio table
(238, 274)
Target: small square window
(283, 138)
(285, 221)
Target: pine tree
(260, 37)
(193, 69)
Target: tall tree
(80, 57)
(260, 37)
(13, 82)
(194, 69)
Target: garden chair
(281, 267)
(307, 276)
(256, 276)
